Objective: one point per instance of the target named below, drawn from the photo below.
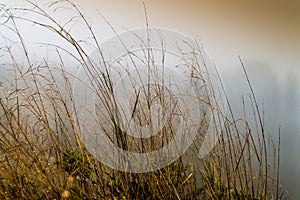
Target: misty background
(266, 34)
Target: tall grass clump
(42, 151)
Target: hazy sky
(264, 30)
(240, 25)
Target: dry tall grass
(43, 157)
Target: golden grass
(43, 157)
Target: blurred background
(265, 34)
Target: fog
(264, 33)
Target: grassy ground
(43, 157)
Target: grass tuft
(42, 155)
